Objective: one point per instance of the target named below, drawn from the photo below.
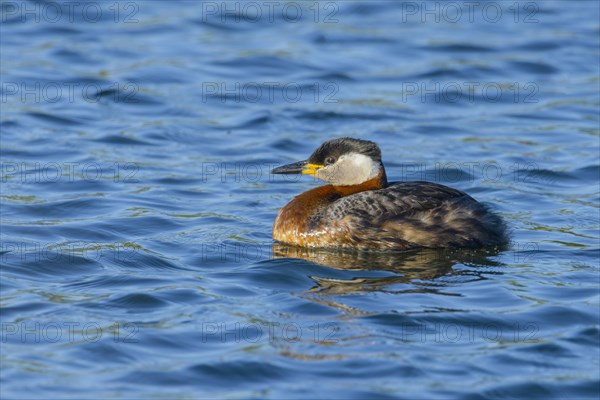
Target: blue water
(137, 204)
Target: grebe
(358, 209)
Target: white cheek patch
(365, 164)
(356, 168)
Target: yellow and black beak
(300, 167)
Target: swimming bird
(358, 209)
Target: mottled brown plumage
(374, 215)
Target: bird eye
(329, 160)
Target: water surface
(137, 203)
